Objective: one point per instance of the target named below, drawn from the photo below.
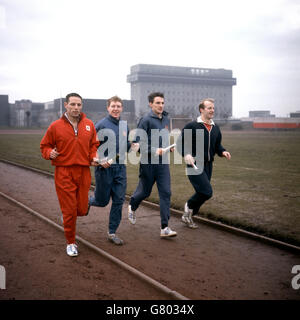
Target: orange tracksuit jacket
(72, 172)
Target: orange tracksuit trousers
(72, 185)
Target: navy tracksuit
(112, 182)
(202, 186)
(212, 146)
(153, 172)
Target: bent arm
(48, 143)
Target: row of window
(193, 97)
(193, 100)
(185, 86)
(196, 93)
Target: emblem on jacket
(88, 128)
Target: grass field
(258, 189)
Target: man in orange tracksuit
(71, 143)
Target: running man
(150, 173)
(111, 179)
(212, 146)
(71, 144)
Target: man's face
(74, 107)
(115, 109)
(157, 105)
(209, 111)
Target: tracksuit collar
(113, 120)
(199, 120)
(65, 116)
(154, 115)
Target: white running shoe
(167, 232)
(187, 217)
(72, 250)
(131, 215)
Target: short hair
(202, 106)
(114, 98)
(153, 95)
(73, 94)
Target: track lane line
(173, 294)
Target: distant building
(96, 109)
(261, 114)
(4, 110)
(183, 87)
(25, 113)
(295, 114)
(21, 113)
(276, 123)
(263, 119)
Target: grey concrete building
(20, 113)
(96, 109)
(295, 114)
(25, 113)
(261, 114)
(183, 87)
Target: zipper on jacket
(208, 152)
(75, 130)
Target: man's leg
(84, 184)
(118, 197)
(66, 190)
(144, 188)
(203, 188)
(104, 179)
(163, 181)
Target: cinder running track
(205, 263)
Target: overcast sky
(49, 48)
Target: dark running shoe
(115, 239)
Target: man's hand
(159, 151)
(189, 160)
(135, 146)
(54, 154)
(95, 162)
(227, 155)
(105, 163)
